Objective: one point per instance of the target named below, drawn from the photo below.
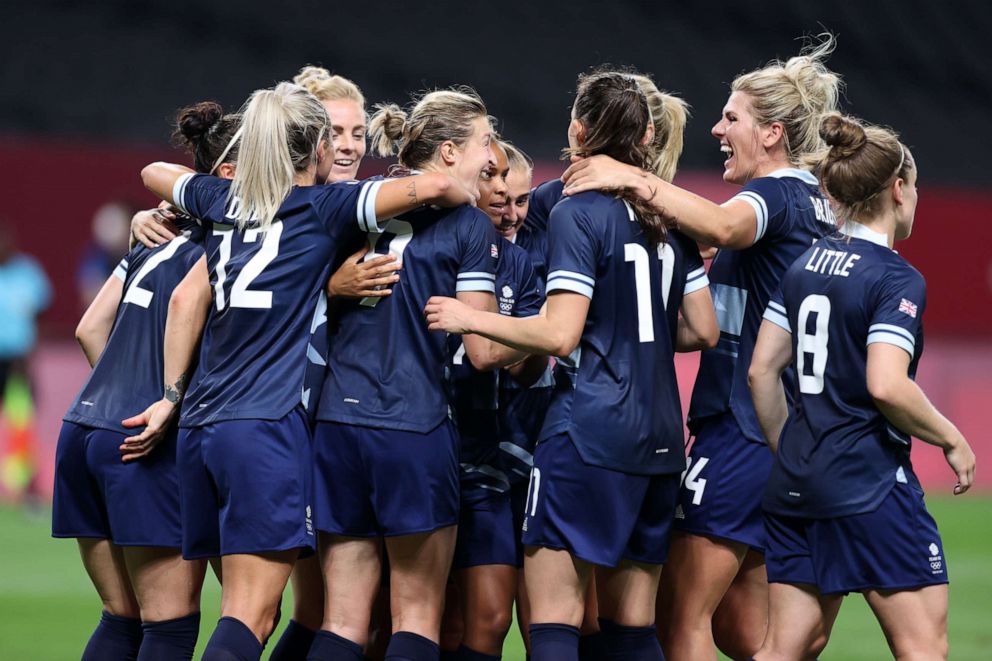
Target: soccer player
(386, 452)
(125, 514)
(843, 509)
(244, 448)
(485, 558)
(769, 124)
(606, 469)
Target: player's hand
(454, 193)
(600, 173)
(962, 461)
(156, 418)
(449, 315)
(358, 279)
(154, 227)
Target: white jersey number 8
(812, 344)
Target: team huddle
(431, 398)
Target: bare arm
(556, 333)
(188, 308)
(905, 405)
(772, 354)
(697, 327)
(732, 224)
(486, 353)
(527, 372)
(93, 330)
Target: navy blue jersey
(128, 375)
(543, 199)
(267, 287)
(535, 242)
(616, 396)
(838, 455)
(385, 369)
(475, 394)
(791, 214)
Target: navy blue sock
(407, 646)
(623, 643)
(329, 646)
(554, 642)
(294, 643)
(170, 640)
(591, 647)
(232, 641)
(114, 639)
(468, 654)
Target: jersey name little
(831, 262)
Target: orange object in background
(18, 441)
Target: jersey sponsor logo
(309, 522)
(908, 307)
(506, 300)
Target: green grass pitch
(48, 607)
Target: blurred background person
(111, 230)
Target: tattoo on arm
(174, 392)
(412, 192)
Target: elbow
(711, 337)
(757, 375)
(150, 175)
(83, 332)
(882, 390)
(564, 345)
(722, 235)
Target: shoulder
(548, 193)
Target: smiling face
(492, 185)
(518, 183)
(469, 160)
(348, 128)
(742, 141)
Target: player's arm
(160, 178)
(772, 354)
(555, 333)
(397, 196)
(733, 224)
(94, 328)
(528, 371)
(188, 308)
(357, 279)
(486, 353)
(697, 327)
(906, 406)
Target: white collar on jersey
(805, 176)
(858, 231)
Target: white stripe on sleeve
(695, 281)
(120, 272)
(476, 281)
(778, 318)
(894, 335)
(570, 281)
(179, 191)
(760, 211)
(367, 219)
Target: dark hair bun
(195, 121)
(844, 135)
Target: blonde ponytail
(669, 115)
(281, 130)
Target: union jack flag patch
(909, 307)
(494, 251)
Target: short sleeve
(195, 194)
(573, 246)
(529, 297)
(342, 205)
(695, 272)
(543, 199)
(897, 310)
(478, 253)
(766, 197)
(121, 271)
(775, 312)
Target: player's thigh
(799, 623)
(308, 592)
(104, 562)
(253, 587)
(419, 565)
(166, 586)
(914, 621)
(698, 573)
(352, 569)
(556, 585)
(741, 619)
(486, 597)
(627, 593)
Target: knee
(492, 622)
(122, 607)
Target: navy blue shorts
(518, 507)
(485, 532)
(246, 486)
(372, 482)
(598, 515)
(896, 547)
(97, 495)
(723, 484)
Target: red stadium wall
(51, 190)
